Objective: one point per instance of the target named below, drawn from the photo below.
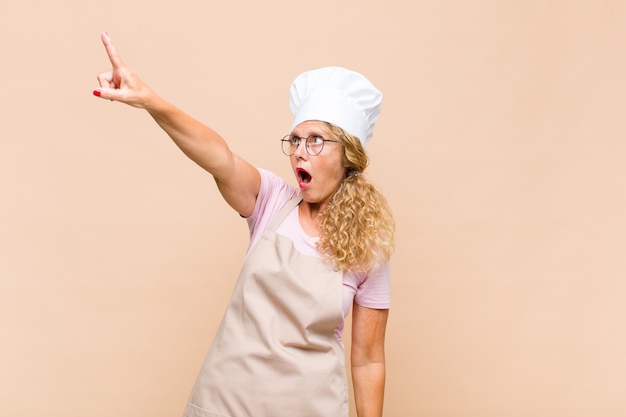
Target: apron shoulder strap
(283, 212)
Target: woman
(314, 252)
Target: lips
(304, 178)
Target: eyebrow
(311, 133)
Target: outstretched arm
(368, 359)
(237, 180)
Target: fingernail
(96, 93)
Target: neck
(308, 214)
(311, 209)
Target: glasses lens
(288, 145)
(314, 145)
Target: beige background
(500, 147)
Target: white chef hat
(339, 96)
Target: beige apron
(275, 353)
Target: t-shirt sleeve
(375, 290)
(273, 194)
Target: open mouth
(304, 178)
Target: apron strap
(283, 212)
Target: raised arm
(237, 180)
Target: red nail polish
(96, 93)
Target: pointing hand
(120, 84)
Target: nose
(300, 150)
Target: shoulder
(274, 192)
(373, 288)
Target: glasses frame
(286, 142)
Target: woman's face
(318, 176)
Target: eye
(294, 140)
(315, 140)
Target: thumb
(116, 94)
(113, 94)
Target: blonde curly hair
(357, 225)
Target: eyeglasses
(314, 144)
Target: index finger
(115, 59)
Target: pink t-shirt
(370, 290)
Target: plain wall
(500, 147)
